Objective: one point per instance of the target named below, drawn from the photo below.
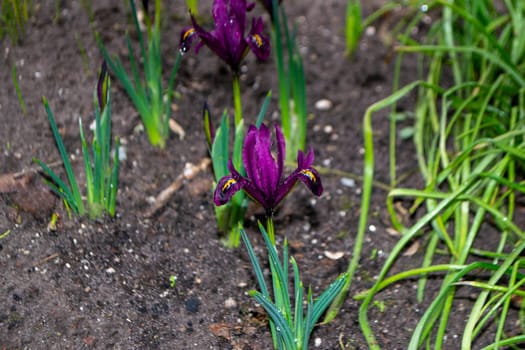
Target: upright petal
(248, 151)
(267, 176)
(281, 150)
(219, 11)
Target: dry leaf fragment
(412, 249)
(221, 330)
(333, 255)
(177, 129)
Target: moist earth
(167, 281)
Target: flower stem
(237, 99)
(270, 229)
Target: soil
(105, 284)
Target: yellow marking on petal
(309, 174)
(228, 184)
(256, 38)
(189, 32)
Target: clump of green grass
(101, 168)
(152, 102)
(290, 323)
(14, 15)
(468, 135)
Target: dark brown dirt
(106, 284)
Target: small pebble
(110, 271)
(317, 342)
(230, 303)
(122, 153)
(333, 255)
(347, 182)
(323, 104)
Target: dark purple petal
(257, 41)
(228, 186)
(305, 173)
(310, 177)
(248, 151)
(281, 150)
(264, 170)
(210, 40)
(225, 190)
(303, 161)
(187, 35)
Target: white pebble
(122, 153)
(347, 182)
(333, 255)
(110, 271)
(230, 303)
(323, 104)
(317, 342)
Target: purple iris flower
(227, 39)
(264, 180)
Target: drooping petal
(228, 186)
(187, 35)
(310, 177)
(304, 173)
(209, 40)
(257, 41)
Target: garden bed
(167, 281)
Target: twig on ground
(189, 172)
(46, 259)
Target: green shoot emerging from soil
(14, 76)
(100, 169)
(14, 15)
(292, 83)
(353, 26)
(148, 96)
(290, 325)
